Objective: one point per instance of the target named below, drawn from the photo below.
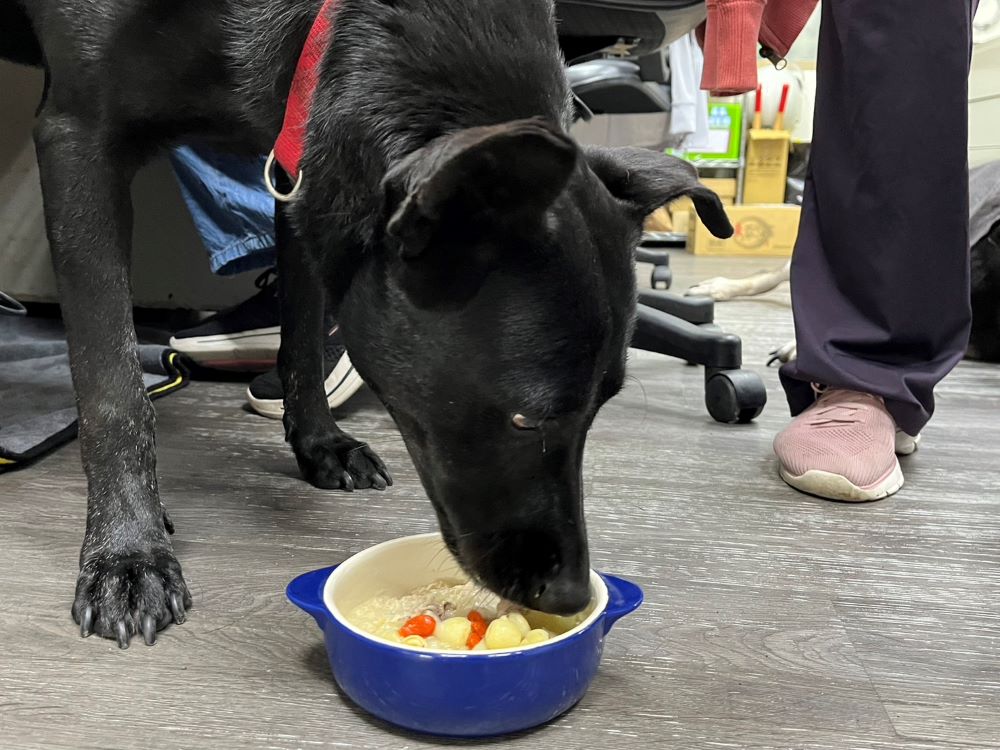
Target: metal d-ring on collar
(269, 182)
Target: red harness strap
(289, 147)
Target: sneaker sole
(831, 486)
(247, 350)
(340, 386)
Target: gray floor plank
(772, 620)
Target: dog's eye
(522, 422)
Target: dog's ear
(477, 179)
(645, 180)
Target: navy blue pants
(880, 273)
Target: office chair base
(662, 276)
(734, 396)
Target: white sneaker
(245, 337)
(266, 396)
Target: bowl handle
(306, 593)
(624, 597)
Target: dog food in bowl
(478, 693)
(449, 616)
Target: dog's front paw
(338, 463)
(783, 354)
(119, 595)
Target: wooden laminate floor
(772, 620)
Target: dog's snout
(527, 556)
(537, 569)
(565, 594)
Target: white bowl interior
(397, 567)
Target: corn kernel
(535, 636)
(502, 633)
(454, 632)
(519, 622)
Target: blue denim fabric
(231, 208)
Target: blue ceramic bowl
(448, 693)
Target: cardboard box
(767, 166)
(682, 221)
(760, 230)
(725, 188)
(659, 221)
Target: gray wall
(170, 267)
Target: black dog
(479, 261)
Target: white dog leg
(721, 288)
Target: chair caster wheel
(735, 396)
(662, 277)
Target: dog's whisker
(645, 397)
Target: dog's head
(493, 322)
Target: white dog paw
(783, 354)
(719, 289)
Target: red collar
(289, 147)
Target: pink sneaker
(843, 447)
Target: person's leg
(231, 209)
(234, 215)
(880, 274)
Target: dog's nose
(566, 594)
(534, 568)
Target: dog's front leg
(130, 581)
(327, 456)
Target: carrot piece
(478, 630)
(422, 625)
